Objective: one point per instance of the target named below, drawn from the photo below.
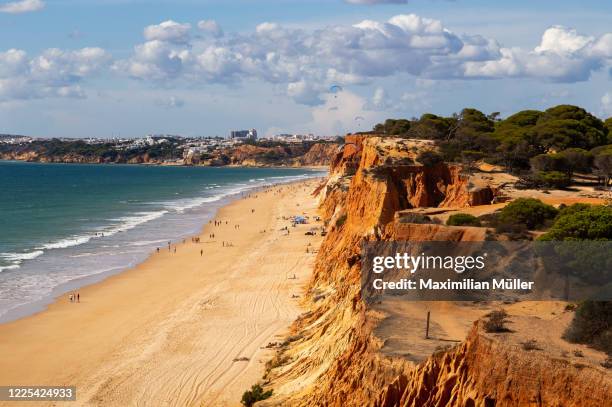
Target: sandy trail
(180, 329)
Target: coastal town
(169, 149)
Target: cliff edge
(341, 353)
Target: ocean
(66, 225)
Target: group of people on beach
(196, 239)
(74, 297)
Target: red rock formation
(334, 356)
(483, 371)
(319, 154)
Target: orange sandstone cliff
(341, 354)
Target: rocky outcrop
(334, 356)
(483, 371)
(72, 158)
(320, 154)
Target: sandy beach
(184, 328)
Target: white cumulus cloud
(307, 61)
(169, 30)
(562, 56)
(53, 73)
(22, 6)
(210, 27)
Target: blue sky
(80, 68)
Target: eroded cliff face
(320, 154)
(335, 355)
(484, 371)
(42, 157)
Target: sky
(129, 68)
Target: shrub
(341, 221)
(278, 360)
(254, 395)
(463, 219)
(515, 231)
(530, 212)
(592, 325)
(417, 218)
(496, 321)
(531, 344)
(429, 158)
(570, 307)
(582, 222)
(548, 162)
(553, 179)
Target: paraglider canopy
(335, 89)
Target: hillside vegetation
(547, 147)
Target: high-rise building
(244, 134)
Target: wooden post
(427, 328)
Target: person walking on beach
(71, 298)
(201, 253)
(78, 297)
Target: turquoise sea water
(64, 225)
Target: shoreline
(42, 303)
(147, 324)
(154, 164)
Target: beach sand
(169, 331)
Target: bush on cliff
(393, 127)
(582, 222)
(496, 321)
(566, 162)
(250, 397)
(463, 219)
(592, 325)
(429, 158)
(418, 218)
(530, 212)
(552, 179)
(512, 142)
